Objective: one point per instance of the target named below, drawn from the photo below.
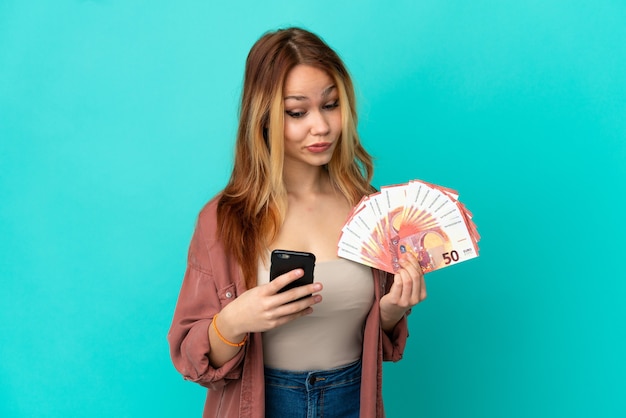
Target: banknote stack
(421, 218)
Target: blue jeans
(314, 394)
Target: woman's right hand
(262, 308)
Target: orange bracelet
(224, 340)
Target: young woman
(315, 350)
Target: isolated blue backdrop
(117, 121)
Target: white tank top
(332, 335)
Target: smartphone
(283, 261)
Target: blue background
(117, 121)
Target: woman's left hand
(408, 290)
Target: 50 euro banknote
(416, 217)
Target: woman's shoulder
(206, 222)
(209, 210)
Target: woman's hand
(408, 290)
(259, 309)
(262, 308)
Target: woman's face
(312, 116)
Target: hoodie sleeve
(394, 342)
(201, 297)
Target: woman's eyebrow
(328, 90)
(296, 98)
(325, 93)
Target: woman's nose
(320, 125)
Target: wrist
(226, 330)
(389, 322)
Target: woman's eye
(295, 114)
(332, 105)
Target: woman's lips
(319, 147)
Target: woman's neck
(306, 180)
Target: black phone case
(283, 261)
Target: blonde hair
(252, 206)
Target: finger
(294, 309)
(299, 292)
(411, 265)
(395, 291)
(274, 286)
(298, 305)
(417, 280)
(399, 288)
(407, 288)
(423, 293)
(421, 288)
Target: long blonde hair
(252, 206)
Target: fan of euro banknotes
(421, 218)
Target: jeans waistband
(314, 378)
